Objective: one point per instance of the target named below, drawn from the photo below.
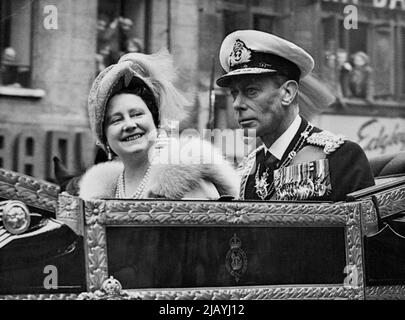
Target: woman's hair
(159, 74)
(146, 95)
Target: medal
(263, 189)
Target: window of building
(263, 23)
(28, 169)
(29, 147)
(383, 61)
(260, 15)
(352, 56)
(15, 42)
(63, 150)
(1, 149)
(122, 28)
(264, 15)
(234, 20)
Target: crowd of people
(114, 39)
(349, 76)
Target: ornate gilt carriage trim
(385, 292)
(70, 212)
(96, 248)
(354, 267)
(101, 214)
(236, 260)
(369, 218)
(216, 213)
(245, 293)
(238, 293)
(273, 293)
(391, 202)
(31, 191)
(61, 296)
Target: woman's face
(129, 125)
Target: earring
(109, 153)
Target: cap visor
(225, 79)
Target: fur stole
(177, 168)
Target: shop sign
(387, 4)
(377, 136)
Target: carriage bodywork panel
(216, 250)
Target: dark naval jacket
(342, 168)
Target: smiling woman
(128, 104)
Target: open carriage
(163, 249)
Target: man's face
(257, 103)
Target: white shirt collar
(278, 148)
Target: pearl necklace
(120, 191)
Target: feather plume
(314, 96)
(159, 72)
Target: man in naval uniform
(296, 161)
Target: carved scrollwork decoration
(70, 212)
(67, 206)
(276, 293)
(119, 212)
(61, 296)
(369, 215)
(95, 212)
(96, 245)
(385, 293)
(111, 289)
(391, 202)
(162, 212)
(31, 191)
(354, 247)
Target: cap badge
(240, 54)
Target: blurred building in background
(46, 73)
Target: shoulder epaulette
(329, 141)
(247, 163)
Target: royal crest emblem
(240, 54)
(236, 260)
(15, 216)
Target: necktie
(269, 160)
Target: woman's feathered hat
(155, 71)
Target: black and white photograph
(210, 150)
